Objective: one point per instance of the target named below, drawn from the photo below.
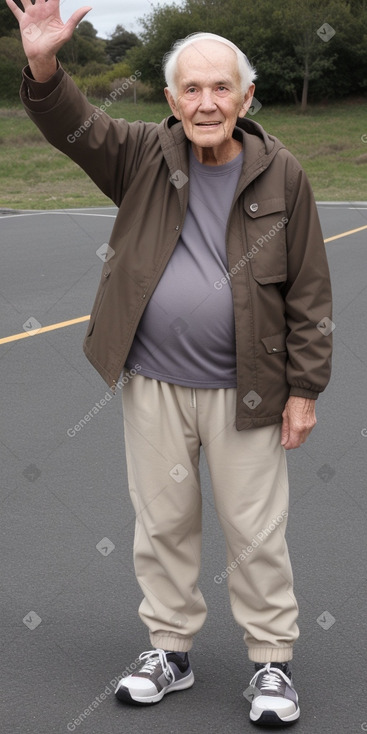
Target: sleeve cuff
(300, 392)
(41, 90)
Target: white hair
(246, 71)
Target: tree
(83, 47)
(8, 21)
(87, 29)
(11, 50)
(311, 37)
(160, 29)
(119, 43)
(12, 60)
(295, 53)
(350, 44)
(167, 23)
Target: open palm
(43, 32)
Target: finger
(294, 442)
(76, 17)
(297, 436)
(26, 4)
(291, 435)
(14, 9)
(285, 431)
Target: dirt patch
(12, 112)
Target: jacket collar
(259, 149)
(175, 148)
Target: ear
(172, 103)
(247, 101)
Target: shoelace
(154, 658)
(271, 680)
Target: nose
(207, 103)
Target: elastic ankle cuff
(171, 642)
(270, 654)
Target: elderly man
(217, 294)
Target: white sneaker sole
(123, 694)
(271, 718)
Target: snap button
(254, 207)
(275, 349)
(177, 227)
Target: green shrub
(10, 80)
(12, 60)
(101, 85)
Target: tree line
(301, 52)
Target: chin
(209, 141)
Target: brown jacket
(277, 264)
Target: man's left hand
(299, 418)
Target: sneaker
(161, 672)
(275, 702)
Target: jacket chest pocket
(265, 225)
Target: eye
(221, 88)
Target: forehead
(209, 59)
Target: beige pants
(165, 425)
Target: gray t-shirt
(186, 334)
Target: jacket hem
(243, 424)
(106, 376)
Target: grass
(327, 140)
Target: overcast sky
(106, 14)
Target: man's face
(209, 98)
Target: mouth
(208, 124)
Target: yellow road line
(61, 324)
(345, 234)
(42, 330)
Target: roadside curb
(342, 203)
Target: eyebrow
(225, 82)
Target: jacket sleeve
(107, 150)
(307, 292)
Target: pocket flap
(266, 279)
(261, 208)
(275, 343)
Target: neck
(217, 156)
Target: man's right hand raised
(44, 33)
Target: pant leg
(162, 450)
(250, 486)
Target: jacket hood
(259, 147)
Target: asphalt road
(69, 622)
